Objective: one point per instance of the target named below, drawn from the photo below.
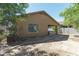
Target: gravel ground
(56, 45)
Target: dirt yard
(56, 45)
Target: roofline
(44, 13)
(51, 17)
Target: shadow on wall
(13, 40)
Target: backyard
(55, 45)
(30, 34)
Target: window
(33, 28)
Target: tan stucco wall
(41, 19)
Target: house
(36, 24)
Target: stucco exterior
(40, 18)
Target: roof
(43, 12)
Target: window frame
(32, 25)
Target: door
(51, 29)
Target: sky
(53, 9)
